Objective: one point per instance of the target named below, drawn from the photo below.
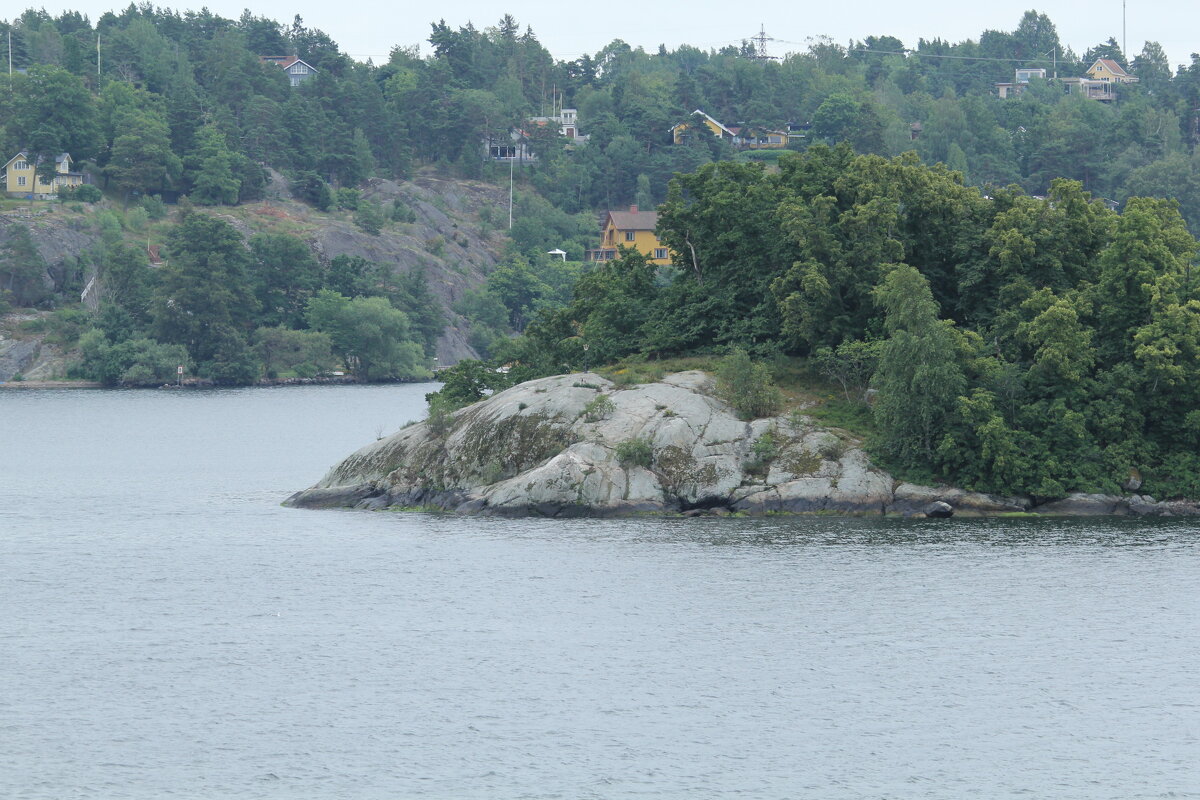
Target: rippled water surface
(168, 630)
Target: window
(43, 180)
(21, 165)
(660, 253)
(20, 180)
(630, 236)
(299, 69)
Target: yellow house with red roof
(633, 229)
(1106, 70)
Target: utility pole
(10, 60)
(1124, 38)
(510, 187)
(97, 60)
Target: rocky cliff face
(578, 444)
(448, 239)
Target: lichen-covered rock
(1087, 505)
(577, 444)
(911, 498)
(1096, 505)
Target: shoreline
(200, 383)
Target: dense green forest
(181, 101)
(1010, 290)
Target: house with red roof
(634, 229)
(1106, 70)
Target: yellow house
(634, 229)
(717, 129)
(743, 138)
(1106, 70)
(21, 178)
(760, 138)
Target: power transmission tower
(760, 49)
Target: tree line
(181, 102)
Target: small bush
(85, 193)
(747, 386)
(136, 219)
(635, 453)
(599, 408)
(441, 413)
(762, 453)
(109, 225)
(765, 447)
(348, 198)
(311, 188)
(435, 245)
(154, 207)
(401, 212)
(832, 449)
(369, 218)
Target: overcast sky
(569, 30)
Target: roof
(634, 220)
(58, 159)
(707, 117)
(748, 130)
(1111, 66)
(285, 61)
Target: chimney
(633, 209)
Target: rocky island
(580, 445)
